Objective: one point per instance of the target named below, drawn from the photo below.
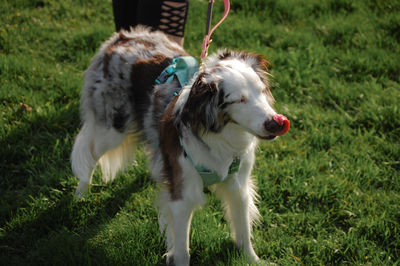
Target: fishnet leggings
(168, 16)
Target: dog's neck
(232, 140)
(216, 151)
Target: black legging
(158, 14)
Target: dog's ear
(260, 66)
(260, 62)
(201, 110)
(256, 61)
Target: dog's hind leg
(82, 159)
(91, 144)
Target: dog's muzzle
(278, 125)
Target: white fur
(249, 107)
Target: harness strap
(211, 177)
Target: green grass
(329, 189)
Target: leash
(207, 37)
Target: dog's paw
(169, 259)
(177, 259)
(264, 263)
(81, 190)
(255, 260)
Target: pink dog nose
(283, 122)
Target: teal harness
(211, 177)
(183, 69)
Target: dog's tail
(117, 159)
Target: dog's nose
(278, 125)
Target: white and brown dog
(214, 121)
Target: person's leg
(125, 13)
(167, 16)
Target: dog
(213, 123)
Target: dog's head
(233, 88)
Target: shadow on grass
(35, 158)
(37, 205)
(63, 229)
(226, 254)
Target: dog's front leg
(178, 232)
(242, 225)
(240, 212)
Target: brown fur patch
(146, 44)
(121, 41)
(143, 75)
(171, 150)
(262, 62)
(201, 109)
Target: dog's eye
(241, 100)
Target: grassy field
(329, 189)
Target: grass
(329, 190)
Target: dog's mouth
(269, 137)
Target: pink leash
(207, 37)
